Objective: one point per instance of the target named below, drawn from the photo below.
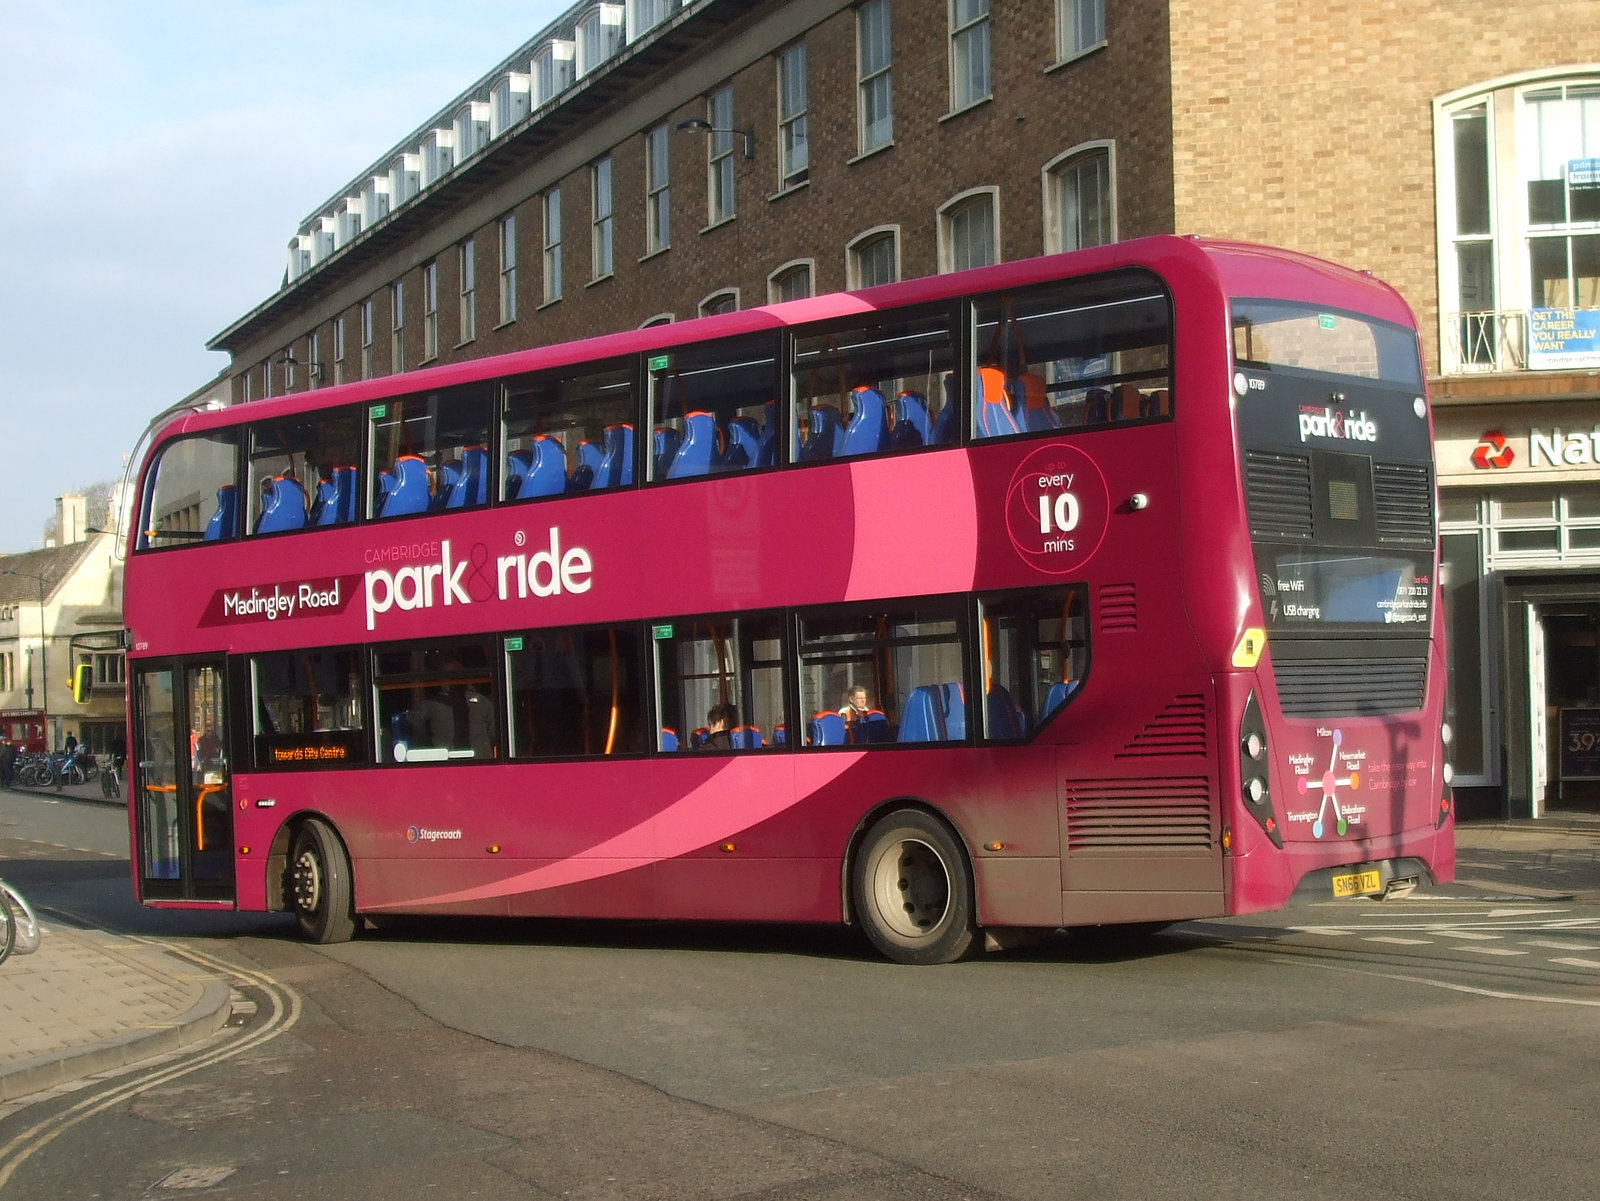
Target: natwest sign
(1542, 450)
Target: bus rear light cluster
(1447, 776)
(1253, 770)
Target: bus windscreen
(1270, 333)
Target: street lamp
(44, 649)
(700, 125)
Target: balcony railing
(1485, 342)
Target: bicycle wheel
(8, 928)
(24, 925)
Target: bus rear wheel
(319, 884)
(912, 891)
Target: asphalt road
(1433, 1047)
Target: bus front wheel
(319, 884)
(912, 890)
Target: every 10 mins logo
(1057, 508)
(1492, 451)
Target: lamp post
(44, 651)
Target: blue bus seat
(746, 738)
(1097, 409)
(1032, 403)
(336, 497)
(590, 456)
(827, 729)
(993, 404)
(1006, 719)
(664, 445)
(872, 726)
(868, 430)
(780, 736)
(669, 739)
(700, 446)
(911, 426)
(518, 464)
(1156, 404)
(616, 457)
(224, 523)
(744, 444)
(769, 435)
(824, 434)
(934, 713)
(547, 476)
(412, 493)
(283, 506)
(474, 487)
(447, 479)
(1057, 696)
(698, 737)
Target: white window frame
(1080, 28)
(645, 15)
(471, 128)
(368, 334)
(716, 298)
(1103, 151)
(397, 326)
(949, 213)
(871, 74)
(852, 254)
(507, 235)
(551, 71)
(339, 348)
(314, 359)
(966, 37)
(658, 189)
(602, 214)
(437, 153)
(550, 202)
(509, 102)
(774, 280)
(598, 33)
(658, 319)
(467, 261)
(430, 310)
(794, 152)
(721, 182)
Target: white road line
(1504, 951)
(1468, 935)
(1555, 944)
(1402, 942)
(1594, 963)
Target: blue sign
(1583, 172)
(1563, 338)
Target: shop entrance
(1552, 693)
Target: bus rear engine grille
(1119, 608)
(1179, 729)
(1159, 813)
(1278, 493)
(1351, 687)
(1402, 499)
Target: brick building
(657, 159)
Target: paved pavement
(89, 1000)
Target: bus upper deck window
(192, 493)
(430, 452)
(569, 432)
(713, 408)
(1081, 353)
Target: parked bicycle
(111, 777)
(19, 928)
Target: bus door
(182, 784)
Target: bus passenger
(720, 720)
(856, 705)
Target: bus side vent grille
(1118, 608)
(1402, 499)
(1179, 729)
(1166, 813)
(1351, 687)
(1278, 491)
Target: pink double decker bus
(1087, 590)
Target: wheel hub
(912, 888)
(307, 882)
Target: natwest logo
(1493, 451)
(1336, 423)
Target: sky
(157, 157)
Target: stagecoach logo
(1493, 451)
(1328, 422)
(325, 597)
(424, 834)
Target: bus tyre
(912, 891)
(319, 884)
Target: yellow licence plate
(1356, 884)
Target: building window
(968, 234)
(471, 130)
(1519, 222)
(875, 91)
(719, 161)
(658, 319)
(600, 199)
(792, 281)
(552, 245)
(338, 349)
(314, 367)
(725, 301)
(469, 290)
(552, 71)
(508, 268)
(657, 193)
(367, 327)
(969, 53)
(288, 361)
(1077, 200)
(397, 331)
(793, 150)
(110, 669)
(430, 311)
(873, 258)
(266, 380)
(599, 36)
(1080, 26)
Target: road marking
(1578, 962)
(1467, 935)
(1555, 944)
(1402, 942)
(1505, 951)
